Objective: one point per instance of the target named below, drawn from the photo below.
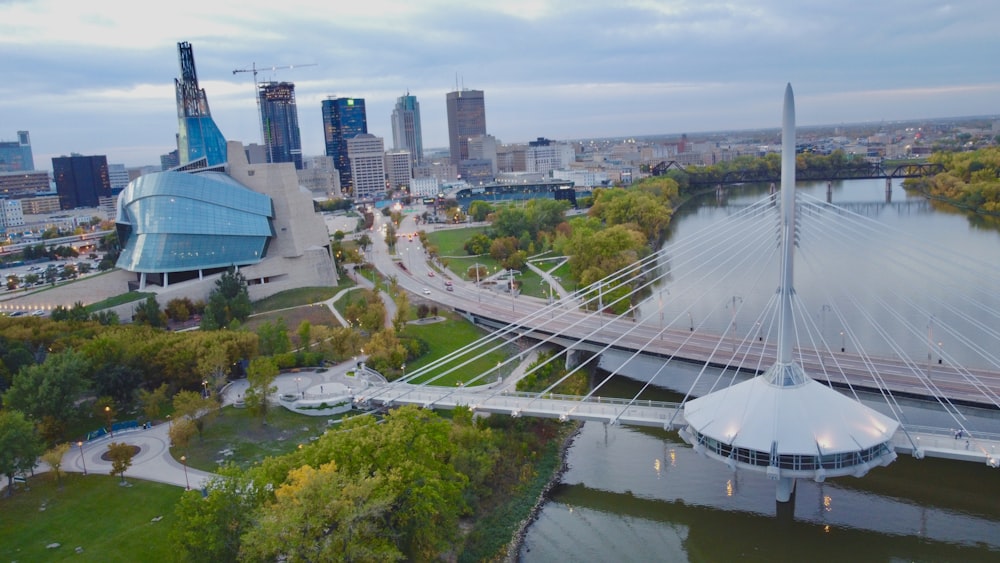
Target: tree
(228, 302)
(48, 392)
(208, 528)
(200, 410)
(20, 445)
(325, 515)
(260, 376)
(148, 312)
(53, 457)
(480, 210)
(305, 334)
(121, 458)
(181, 431)
(153, 402)
(274, 338)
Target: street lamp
(940, 352)
(204, 384)
(297, 380)
(843, 345)
(107, 413)
(82, 458)
(187, 485)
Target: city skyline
(96, 78)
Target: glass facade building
(466, 119)
(279, 121)
(199, 139)
(176, 221)
(406, 127)
(15, 156)
(343, 119)
(81, 181)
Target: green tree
(53, 457)
(48, 392)
(228, 302)
(260, 375)
(274, 338)
(148, 312)
(480, 210)
(20, 445)
(154, 402)
(121, 458)
(181, 431)
(304, 333)
(208, 528)
(324, 515)
(200, 410)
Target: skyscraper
(466, 118)
(343, 119)
(199, 140)
(279, 121)
(81, 180)
(406, 127)
(15, 156)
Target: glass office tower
(279, 121)
(343, 119)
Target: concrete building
(441, 170)
(24, 184)
(320, 177)
(544, 156)
(398, 169)
(424, 187)
(367, 156)
(40, 205)
(11, 215)
(118, 177)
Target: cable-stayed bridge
(659, 313)
(786, 420)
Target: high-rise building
(466, 119)
(21, 184)
(81, 181)
(279, 121)
(367, 155)
(398, 169)
(406, 127)
(343, 119)
(118, 176)
(15, 156)
(199, 141)
(11, 215)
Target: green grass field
(300, 296)
(445, 337)
(110, 522)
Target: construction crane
(256, 90)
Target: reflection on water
(638, 494)
(634, 494)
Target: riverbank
(554, 477)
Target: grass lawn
(300, 296)
(451, 241)
(118, 300)
(447, 336)
(241, 432)
(110, 522)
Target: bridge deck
(931, 442)
(960, 385)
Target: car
(18, 314)
(450, 288)
(38, 313)
(427, 291)
(430, 273)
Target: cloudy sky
(96, 77)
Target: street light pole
(187, 484)
(82, 458)
(107, 413)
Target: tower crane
(256, 88)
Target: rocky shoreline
(517, 541)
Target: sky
(96, 77)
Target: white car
(427, 291)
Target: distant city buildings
(24, 184)
(280, 122)
(466, 119)
(15, 156)
(406, 133)
(367, 155)
(343, 119)
(11, 215)
(81, 181)
(199, 141)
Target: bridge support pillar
(575, 358)
(784, 489)
(888, 190)
(829, 191)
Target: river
(636, 494)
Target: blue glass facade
(175, 221)
(343, 119)
(280, 122)
(198, 135)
